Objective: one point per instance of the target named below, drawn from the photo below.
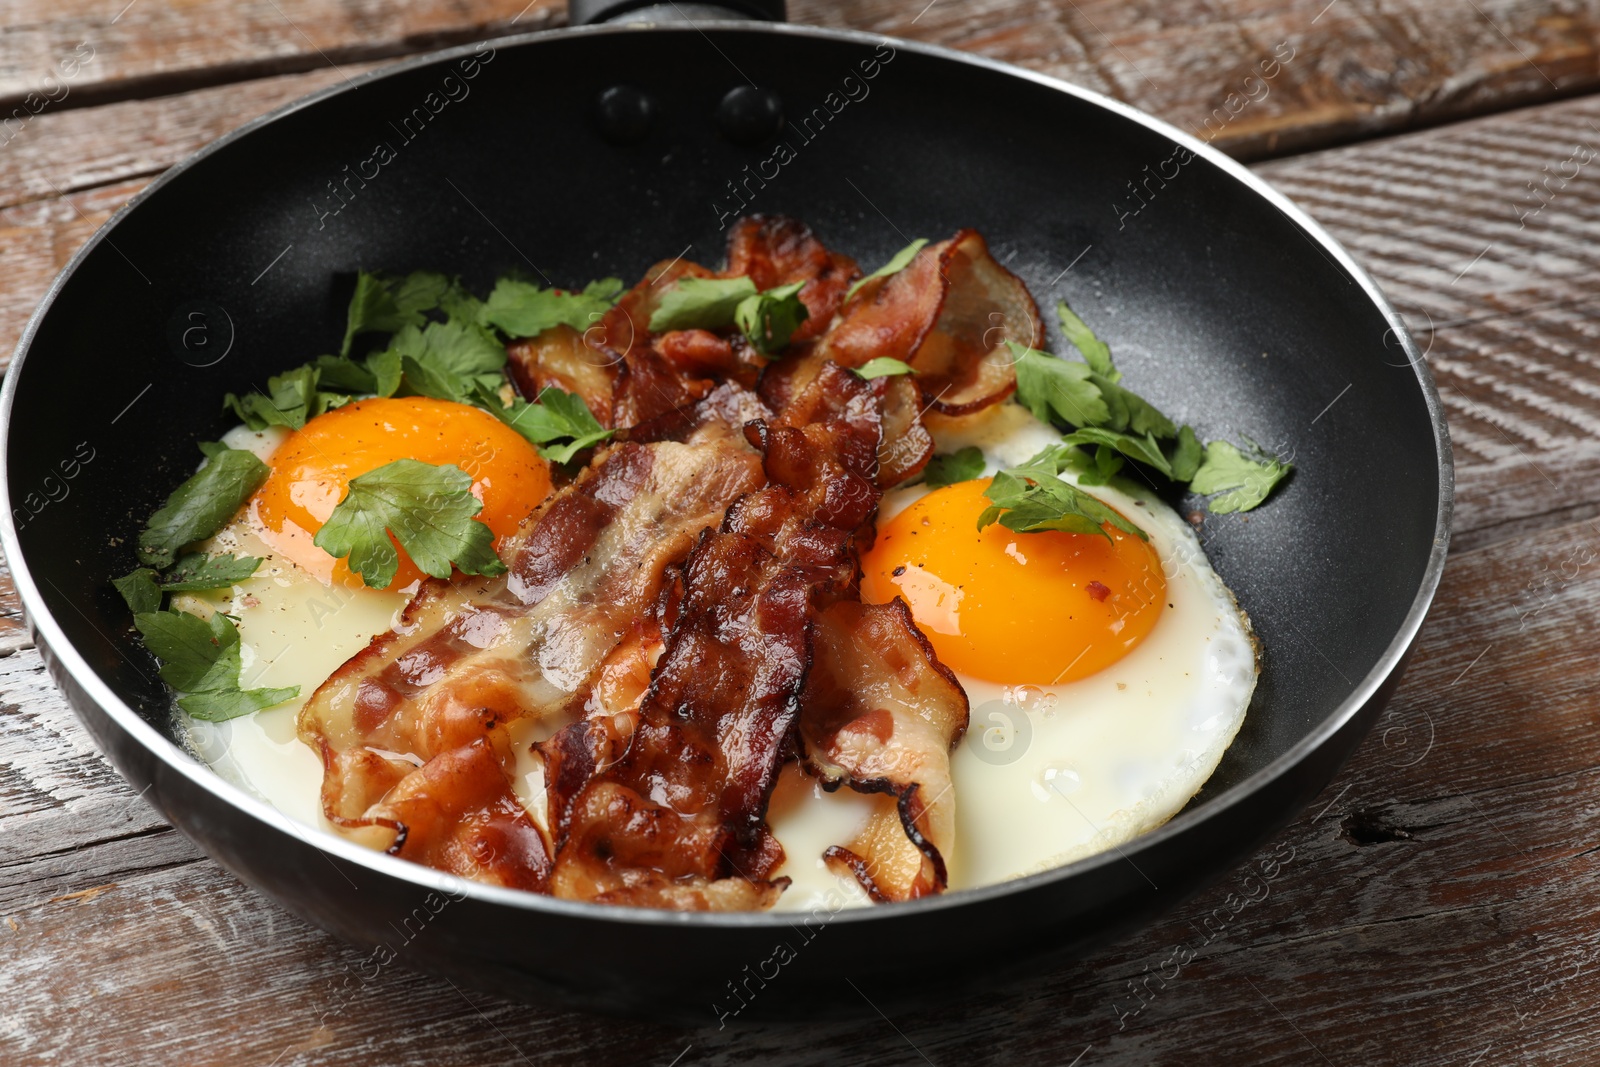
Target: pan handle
(587, 12)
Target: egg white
(1046, 775)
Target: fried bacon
(685, 613)
(880, 715)
(948, 314)
(395, 723)
(679, 813)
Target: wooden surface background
(1436, 906)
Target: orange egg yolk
(1017, 608)
(311, 472)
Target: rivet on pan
(749, 115)
(626, 114)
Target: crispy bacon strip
(475, 654)
(948, 315)
(881, 714)
(677, 817)
(773, 250)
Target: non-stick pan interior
(1217, 306)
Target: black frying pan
(1225, 305)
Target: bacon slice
(774, 250)
(947, 314)
(688, 606)
(564, 359)
(473, 655)
(881, 714)
(677, 818)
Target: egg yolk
(1018, 608)
(311, 472)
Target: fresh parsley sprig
(429, 509)
(962, 465)
(897, 263)
(199, 657)
(1119, 425)
(767, 319)
(1032, 497)
(884, 367)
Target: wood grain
(1436, 902)
(1484, 234)
(73, 53)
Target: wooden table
(1437, 905)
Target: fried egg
(1106, 676)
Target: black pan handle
(587, 12)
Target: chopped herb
(291, 399)
(378, 374)
(1031, 498)
(769, 319)
(140, 590)
(1141, 448)
(522, 309)
(429, 509)
(897, 263)
(1127, 410)
(1096, 353)
(1244, 480)
(700, 303)
(1187, 455)
(953, 467)
(202, 505)
(1105, 465)
(554, 416)
(200, 658)
(198, 572)
(1054, 389)
(446, 360)
(385, 305)
(883, 367)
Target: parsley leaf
(1143, 448)
(1244, 480)
(378, 374)
(1054, 388)
(700, 303)
(1031, 498)
(384, 305)
(1186, 456)
(291, 398)
(953, 467)
(1096, 353)
(195, 573)
(555, 415)
(200, 657)
(769, 319)
(140, 590)
(202, 505)
(446, 359)
(523, 309)
(897, 263)
(883, 367)
(1127, 410)
(429, 509)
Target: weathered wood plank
(1432, 905)
(1484, 234)
(77, 52)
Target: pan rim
(47, 632)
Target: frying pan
(600, 150)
